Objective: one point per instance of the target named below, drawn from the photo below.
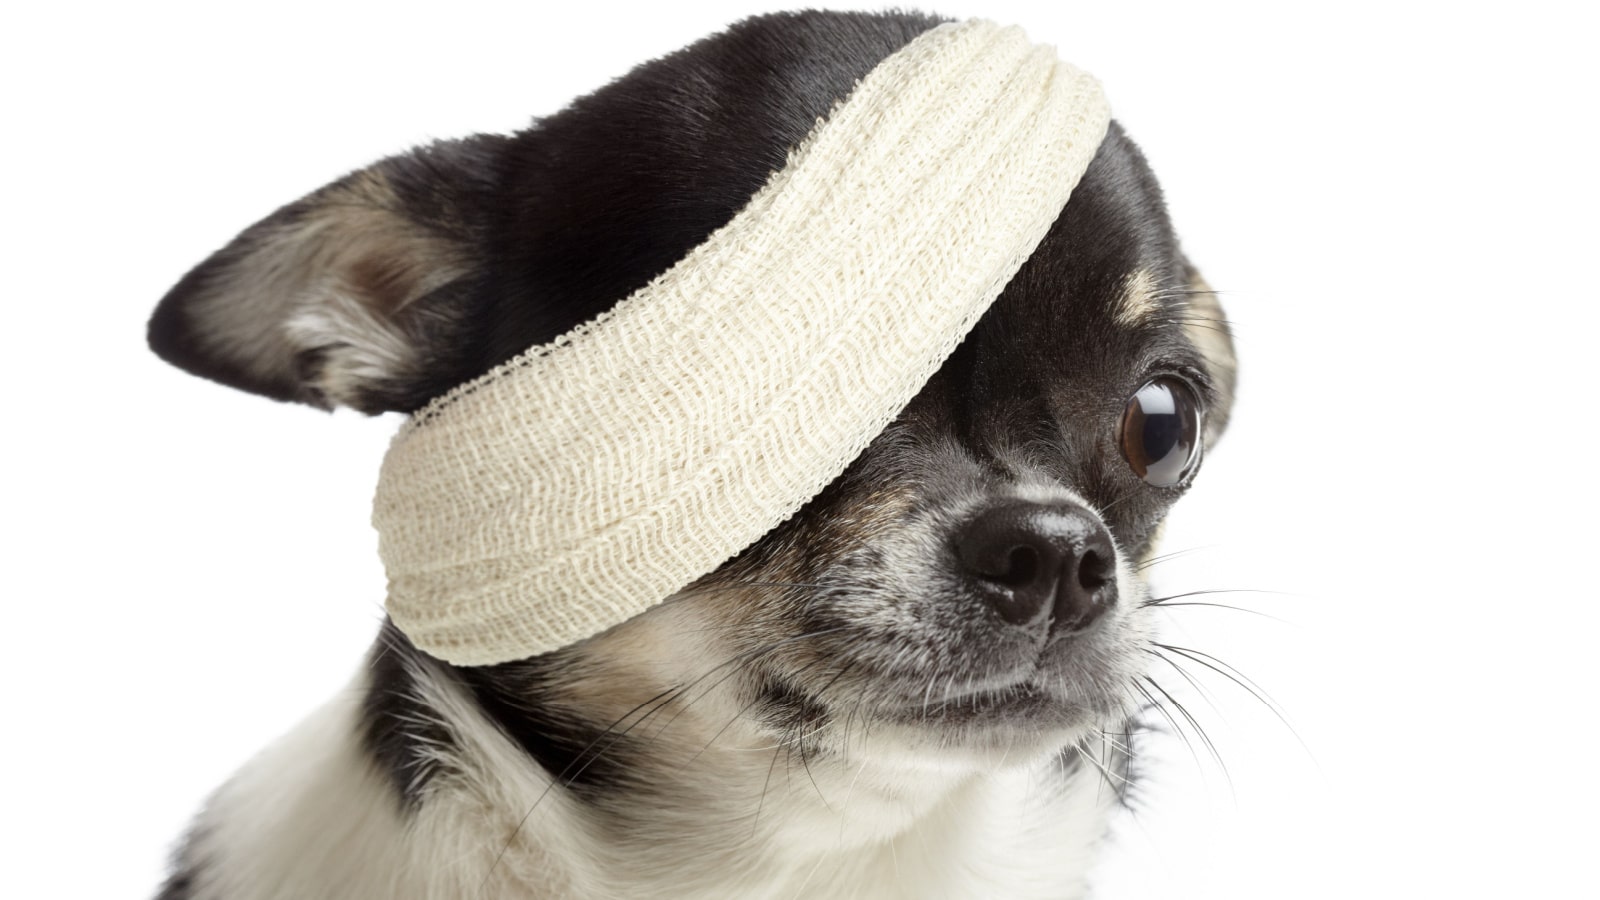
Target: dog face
(966, 593)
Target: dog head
(967, 590)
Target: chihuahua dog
(921, 685)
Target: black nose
(1034, 561)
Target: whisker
(1226, 670)
(736, 716)
(1245, 683)
(1158, 707)
(1165, 557)
(806, 763)
(1116, 783)
(667, 694)
(760, 804)
(665, 697)
(1129, 494)
(1201, 732)
(1159, 601)
(1221, 328)
(1120, 746)
(1198, 687)
(849, 792)
(740, 658)
(1243, 609)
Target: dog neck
(736, 820)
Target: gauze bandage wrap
(591, 478)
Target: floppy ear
(351, 296)
(1207, 327)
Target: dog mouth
(1037, 701)
(1057, 687)
(1020, 705)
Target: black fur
(672, 164)
(523, 698)
(405, 736)
(448, 189)
(185, 877)
(562, 220)
(179, 886)
(600, 198)
(615, 189)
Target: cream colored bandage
(588, 479)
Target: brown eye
(1161, 431)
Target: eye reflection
(1161, 431)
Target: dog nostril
(1034, 563)
(1094, 572)
(1092, 589)
(1022, 568)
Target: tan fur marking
(1207, 327)
(1139, 299)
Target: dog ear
(1207, 327)
(349, 296)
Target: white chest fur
(310, 818)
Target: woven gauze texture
(589, 479)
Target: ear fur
(1207, 328)
(347, 296)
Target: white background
(1397, 201)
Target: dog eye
(1161, 431)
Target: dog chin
(1041, 712)
(991, 734)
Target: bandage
(589, 479)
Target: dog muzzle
(590, 478)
